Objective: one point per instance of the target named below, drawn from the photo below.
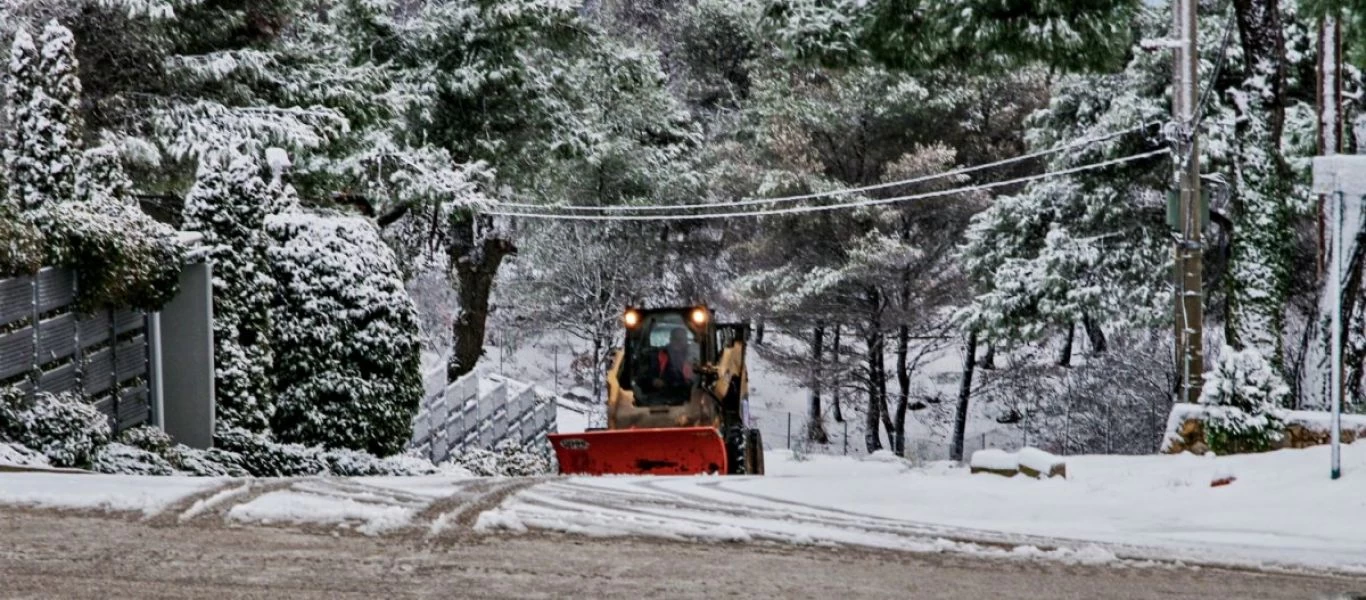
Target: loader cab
(666, 351)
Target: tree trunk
(882, 386)
(873, 422)
(989, 359)
(960, 420)
(475, 258)
(597, 372)
(1258, 266)
(815, 423)
(837, 382)
(903, 380)
(759, 333)
(1065, 356)
(1094, 334)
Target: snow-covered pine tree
(59, 109)
(23, 167)
(228, 204)
(1245, 392)
(347, 366)
(42, 103)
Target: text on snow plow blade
(677, 399)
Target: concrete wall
(183, 359)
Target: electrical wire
(1199, 114)
(820, 208)
(843, 191)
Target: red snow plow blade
(672, 451)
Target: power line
(844, 191)
(1218, 67)
(821, 208)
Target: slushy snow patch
(146, 494)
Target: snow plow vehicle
(677, 401)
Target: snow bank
(15, 455)
(995, 460)
(1159, 507)
(295, 507)
(146, 494)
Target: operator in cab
(672, 365)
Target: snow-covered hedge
(507, 459)
(63, 427)
(348, 368)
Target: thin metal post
(789, 431)
(1336, 381)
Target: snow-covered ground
(1281, 510)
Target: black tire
(735, 450)
(754, 452)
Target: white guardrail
(479, 411)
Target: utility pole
(1189, 251)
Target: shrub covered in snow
(147, 437)
(122, 257)
(214, 462)
(228, 204)
(1244, 393)
(507, 459)
(348, 369)
(63, 427)
(264, 457)
(122, 459)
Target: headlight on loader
(699, 316)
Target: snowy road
(1116, 520)
(70, 555)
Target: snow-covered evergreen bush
(63, 427)
(214, 462)
(228, 204)
(507, 459)
(147, 437)
(348, 368)
(1244, 393)
(123, 459)
(264, 457)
